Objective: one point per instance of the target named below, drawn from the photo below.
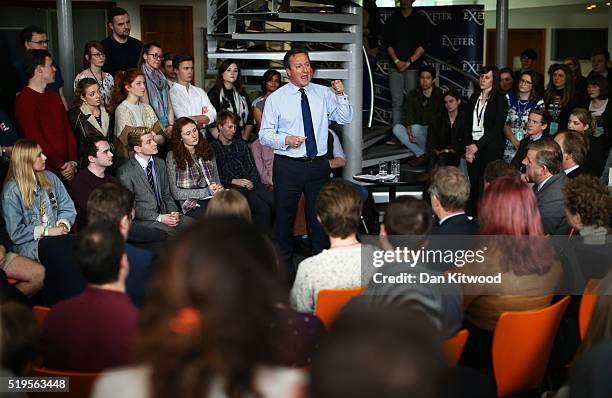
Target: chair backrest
(331, 301)
(40, 313)
(81, 383)
(587, 304)
(522, 342)
(454, 346)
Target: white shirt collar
(540, 185)
(450, 216)
(141, 161)
(567, 171)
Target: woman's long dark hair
(218, 86)
(181, 155)
(568, 90)
(483, 71)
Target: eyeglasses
(525, 81)
(44, 42)
(156, 56)
(98, 55)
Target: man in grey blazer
(145, 175)
(544, 167)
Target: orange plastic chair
(587, 304)
(522, 342)
(331, 301)
(81, 383)
(454, 346)
(40, 313)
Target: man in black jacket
(574, 148)
(543, 163)
(449, 194)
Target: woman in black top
(559, 98)
(229, 94)
(450, 134)
(485, 141)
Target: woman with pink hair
(518, 253)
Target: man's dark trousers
(291, 177)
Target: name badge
(554, 127)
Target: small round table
(407, 178)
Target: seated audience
(537, 123)
(574, 149)
(98, 157)
(339, 211)
(520, 105)
(406, 225)
(132, 115)
(145, 175)
(20, 338)
(449, 192)
(423, 104)
(189, 100)
(87, 117)
(237, 170)
(544, 169)
(35, 203)
(228, 94)
(157, 93)
(523, 256)
(190, 326)
(498, 168)
(192, 169)
(97, 329)
(389, 352)
(28, 273)
(42, 116)
(94, 58)
(588, 205)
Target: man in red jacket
(42, 117)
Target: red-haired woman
(192, 170)
(515, 248)
(131, 113)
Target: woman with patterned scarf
(192, 170)
(228, 94)
(158, 89)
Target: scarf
(243, 109)
(196, 175)
(157, 90)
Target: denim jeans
(420, 134)
(400, 84)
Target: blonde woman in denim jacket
(35, 203)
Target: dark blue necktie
(151, 180)
(311, 142)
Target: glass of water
(395, 169)
(382, 168)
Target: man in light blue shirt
(295, 124)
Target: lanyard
(480, 111)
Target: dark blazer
(521, 152)
(133, 177)
(443, 135)
(456, 225)
(550, 203)
(84, 124)
(491, 145)
(575, 173)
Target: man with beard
(122, 51)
